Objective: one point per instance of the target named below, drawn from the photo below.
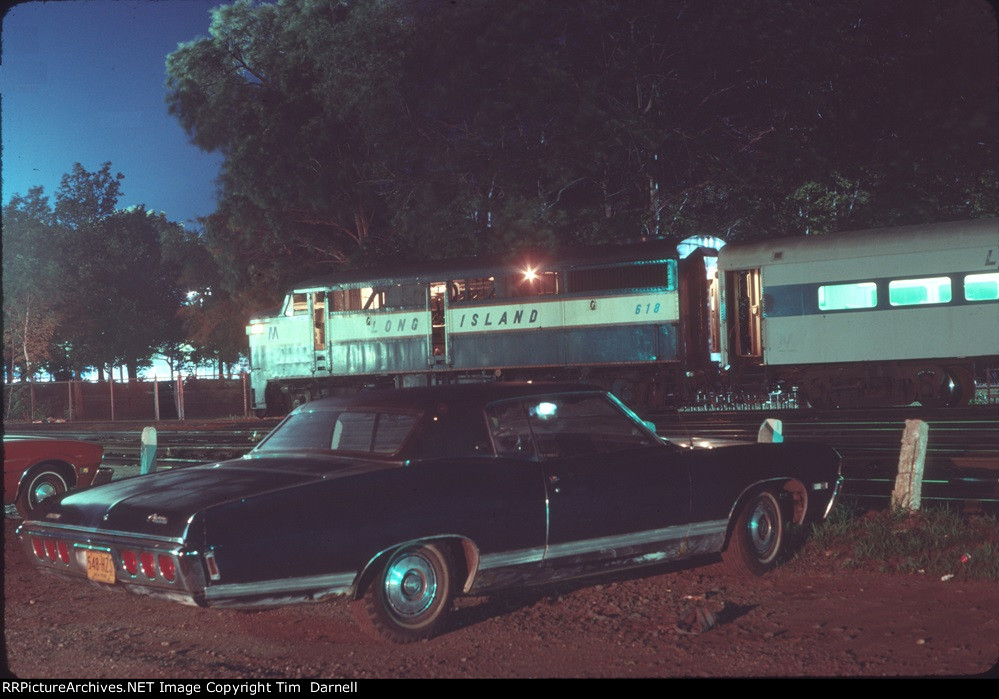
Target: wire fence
(76, 401)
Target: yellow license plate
(100, 566)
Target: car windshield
(564, 425)
(354, 431)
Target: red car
(36, 468)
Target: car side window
(567, 425)
(510, 430)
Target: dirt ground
(797, 621)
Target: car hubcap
(44, 490)
(410, 585)
(762, 529)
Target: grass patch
(934, 541)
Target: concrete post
(771, 431)
(911, 462)
(147, 451)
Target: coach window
(840, 297)
(916, 292)
(981, 287)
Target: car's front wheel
(41, 484)
(411, 595)
(757, 539)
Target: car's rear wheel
(41, 484)
(757, 539)
(411, 595)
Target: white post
(147, 451)
(156, 399)
(911, 462)
(179, 396)
(246, 396)
(771, 431)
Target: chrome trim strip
(834, 496)
(576, 548)
(511, 558)
(89, 533)
(339, 583)
(709, 530)
(716, 526)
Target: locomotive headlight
(530, 275)
(256, 329)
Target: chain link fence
(75, 401)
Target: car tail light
(148, 564)
(50, 549)
(39, 547)
(167, 568)
(63, 549)
(130, 562)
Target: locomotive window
(356, 299)
(981, 287)
(914, 292)
(838, 297)
(371, 299)
(534, 283)
(646, 276)
(481, 289)
(299, 305)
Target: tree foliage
(87, 285)
(373, 129)
(32, 294)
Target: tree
(86, 198)
(128, 300)
(33, 297)
(368, 130)
(212, 319)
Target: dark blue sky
(83, 81)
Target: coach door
(745, 311)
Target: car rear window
(353, 431)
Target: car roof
(429, 397)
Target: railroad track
(962, 456)
(962, 462)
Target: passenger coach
(872, 317)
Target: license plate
(100, 567)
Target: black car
(402, 499)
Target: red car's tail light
(130, 562)
(167, 568)
(50, 549)
(148, 564)
(39, 547)
(63, 549)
